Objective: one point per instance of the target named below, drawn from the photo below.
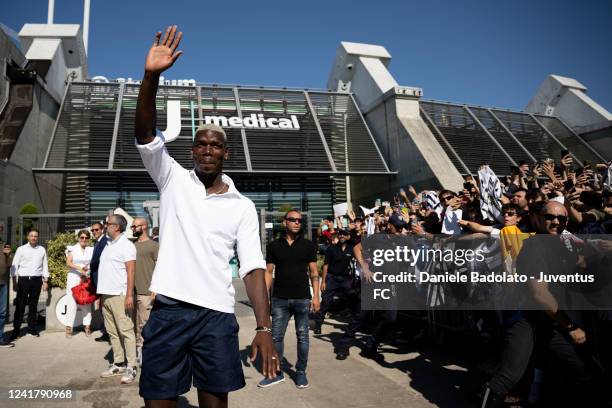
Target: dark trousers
(517, 348)
(28, 292)
(385, 323)
(337, 286)
(561, 357)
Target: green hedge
(56, 252)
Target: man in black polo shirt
(291, 257)
(337, 278)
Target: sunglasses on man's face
(295, 220)
(551, 217)
(95, 229)
(510, 213)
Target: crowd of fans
(560, 355)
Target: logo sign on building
(173, 110)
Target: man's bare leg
(212, 400)
(169, 403)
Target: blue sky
(492, 53)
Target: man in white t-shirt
(116, 285)
(192, 333)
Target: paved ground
(402, 379)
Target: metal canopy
(472, 136)
(95, 130)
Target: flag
(490, 195)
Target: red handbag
(84, 293)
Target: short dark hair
(97, 223)
(512, 206)
(519, 190)
(34, 230)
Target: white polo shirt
(198, 234)
(30, 261)
(112, 273)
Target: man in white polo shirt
(116, 285)
(30, 272)
(192, 332)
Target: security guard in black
(291, 279)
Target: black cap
(397, 221)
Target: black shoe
(342, 355)
(33, 334)
(103, 337)
(369, 351)
(317, 329)
(14, 336)
(6, 344)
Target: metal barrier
(49, 225)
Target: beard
(137, 233)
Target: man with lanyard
(30, 272)
(192, 332)
(337, 277)
(290, 258)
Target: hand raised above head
(163, 54)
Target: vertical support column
(245, 144)
(475, 119)
(320, 130)
(111, 156)
(200, 114)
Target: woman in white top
(78, 257)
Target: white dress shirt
(30, 261)
(112, 272)
(198, 234)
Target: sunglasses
(293, 219)
(95, 229)
(550, 217)
(510, 213)
(136, 226)
(82, 237)
(446, 198)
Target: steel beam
(111, 156)
(500, 123)
(441, 136)
(532, 116)
(320, 130)
(245, 144)
(483, 127)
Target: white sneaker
(112, 371)
(129, 376)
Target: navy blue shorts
(184, 343)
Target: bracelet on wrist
(263, 329)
